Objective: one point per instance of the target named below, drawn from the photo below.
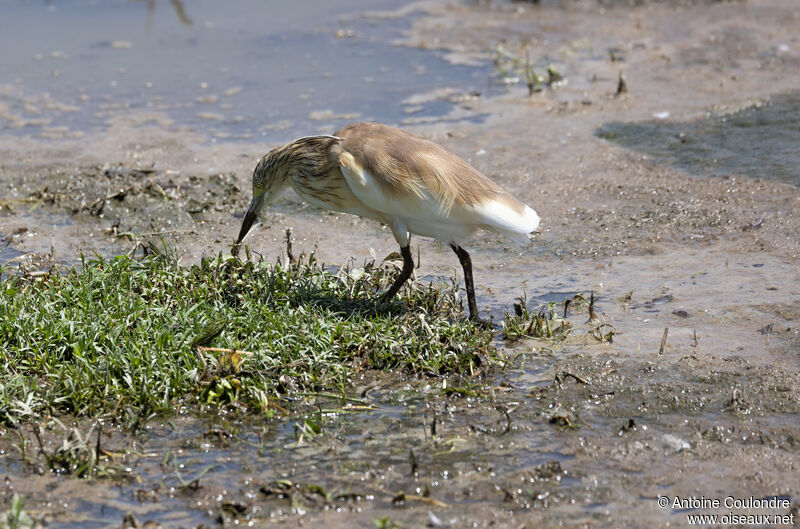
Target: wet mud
(722, 144)
(675, 203)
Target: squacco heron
(406, 182)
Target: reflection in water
(7, 253)
(759, 141)
(177, 5)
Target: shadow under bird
(402, 180)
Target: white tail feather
(507, 221)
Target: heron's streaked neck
(310, 156)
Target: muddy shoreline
(580, 433)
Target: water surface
(239, 70)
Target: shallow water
(242, 70)
(7, 253)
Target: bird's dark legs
(466, 264)
(408, 267)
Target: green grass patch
(137, 337)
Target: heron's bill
(249, 219)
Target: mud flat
(658, 200)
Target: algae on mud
(121, 336)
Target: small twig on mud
(403, 497)
(38, 434)
(630, 425)
(592, 315)
(694, 338)
(508, 419)
(562, 375)
(289, 254)
(754, 225)
(97, 449)
(327, 395)
(159, 189)
(423, 499)
(116, 407)
(28, 200)
(663, 341)
(622, 86)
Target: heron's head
(269, 178)
(304, 156)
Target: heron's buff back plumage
(403, 163)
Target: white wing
(422, 213)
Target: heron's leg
(466, 264)
(405, 273)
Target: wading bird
(406, 182)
